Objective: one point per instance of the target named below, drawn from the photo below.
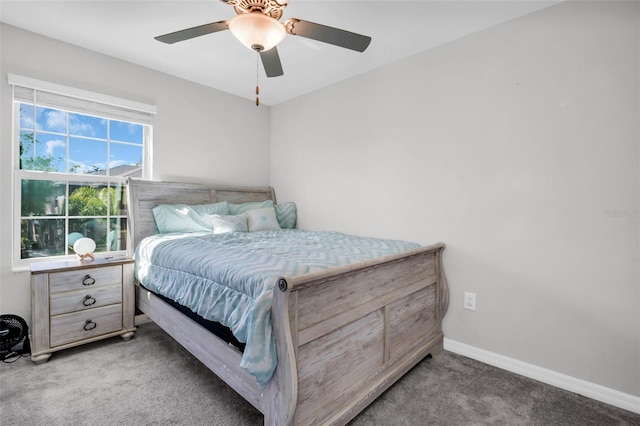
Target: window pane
(26, 117)
(126, 160)
(27, 149)
(126, 132)
(51, 152)
(43, 198)
(86, 125)
(95, 228)
(46, 154)
(41, 237)
(118, 234)
(118, 194)
(87, 156)
(87, 199)
(51, 120)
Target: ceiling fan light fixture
(257, 31)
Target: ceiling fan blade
(188, 33)
(271, 62)
(326, 34)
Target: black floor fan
(14, 337)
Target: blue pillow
(245, 207)
(286, 214)
(221, 207)
(185, 218)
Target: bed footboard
(346, 335)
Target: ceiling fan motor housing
(272, 8)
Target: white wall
(510, 146)
(200, 134)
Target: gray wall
(199, 134)
(513, 146)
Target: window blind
(50, 95)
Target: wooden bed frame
(343, 336)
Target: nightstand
(75, 302)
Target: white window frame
(83, 102)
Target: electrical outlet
(470, 301)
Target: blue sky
(84, 136)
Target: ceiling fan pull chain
(257, 87)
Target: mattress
(229, 278)
(214, 327)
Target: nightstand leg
(40, 359)
(127, 336)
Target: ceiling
(125, 30)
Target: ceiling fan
(258, 27)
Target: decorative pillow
(223, 224)
(215, 208)
(184, 218)
(245, 207)
(262, 219)
(286, 214)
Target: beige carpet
(151, 380)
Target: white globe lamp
(84, 248)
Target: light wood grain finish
(74, 303)
(82, 325)
(401, 328)
(343, 336)
(76, 264)
(85, 279)
(412, 320)
(40, 315)
(80, 300)
(349, 295)
(325, 379)
(128, 300)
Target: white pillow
(262, 219)
(223, 224)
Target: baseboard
(581, 387)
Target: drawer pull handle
(88, 280)
(88, 300)
(90, 325)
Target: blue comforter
(230, 278)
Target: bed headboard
(144, 195)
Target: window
(73, 153)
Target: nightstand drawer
(85, 279)
(89, 298)
(77, 326)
